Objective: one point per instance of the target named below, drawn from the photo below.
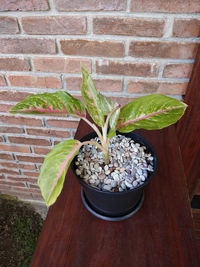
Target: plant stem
(94, 127)
(95, 144)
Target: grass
(20, 227)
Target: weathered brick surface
(4, 156)
(23, 5)
(92, 48)
(5, 107)
(41, 150)
(30, 159)
(178, 70)
(129, 26)
(9, 172)
(32, 174)
(186, 28)
(29, 141)
(12, 148)
(174, 6)
(62, 123)
(10, 129)
(156, 87)
(104, 85)
(48, 132)
(17, 166)
(127, 68)
(22, 179)
(8, 95)
(58, 64)
(2, 80)
(54, 25)
(14, 64)
(20, 120)
(8, 25)
(83, 5)
(27, 46)
(180, 50)
(35, 81)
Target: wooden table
(159, 234)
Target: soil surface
(20, 226)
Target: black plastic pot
(115, 206)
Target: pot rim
(149, 147)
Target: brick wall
(130, 47)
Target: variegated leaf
(91, 98)
(57, 103)
(150, 112)
(54, 169)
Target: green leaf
(106, 106)
(91, 98)
(55, 103)
(150, 112)
(111, 133)
(54, 169)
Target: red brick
(19, 195)
(101, 5)
(156, 87)
(6, 156)
(23, 5)
(48, 132)
(149, 49)
(104, 85)
(22, 179)
(28, 141)
(127, 68)
(66, 65)
(54, 25)
(2, 81)
(9, 171)
(178, 70)
(35, 81)
(17, 166)
(5, 107)
(27, 46)
(1, 139)
(20, 120)
(41, 150)
(4, 188)
(129, 26)
(8, 129)
(92, 48)
(33, 174)
(25, 189)
(14, 64)
(15, 96)
(37, 196)
(62, 123)
(186, 28)
(173, 6)
(30, 159)
(9, 183)
(11, 148)
(8, 25)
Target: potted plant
(112, 190)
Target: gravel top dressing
(129, 165)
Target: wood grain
(188, 130)
(159, 234)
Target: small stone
(128, 184)
(92, 181)
(107, 172)
(102, 176)
(135, 183)
(107, 187)
(94, 176)
(78, 172)
(122, 170)
(106, 168)
(113, 183)
(107, 181)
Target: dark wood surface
(188, 130)
(159, 234)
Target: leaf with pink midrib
(57, 103)
(150, 112)
(54, 169)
